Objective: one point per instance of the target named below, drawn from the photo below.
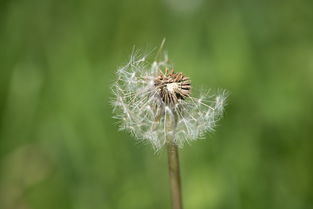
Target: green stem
(174, 176)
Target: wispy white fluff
(140, 109)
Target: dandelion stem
(174, 176)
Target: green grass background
(60, 147)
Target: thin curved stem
(174, 176)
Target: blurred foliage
(60, 148)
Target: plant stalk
(174, 176)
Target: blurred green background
(60, 147)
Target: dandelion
(155, 104)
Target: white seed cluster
(140, 108)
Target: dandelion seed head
(154, 103)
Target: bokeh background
(60, 147)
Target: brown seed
(172, 86)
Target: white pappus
(155, 104)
